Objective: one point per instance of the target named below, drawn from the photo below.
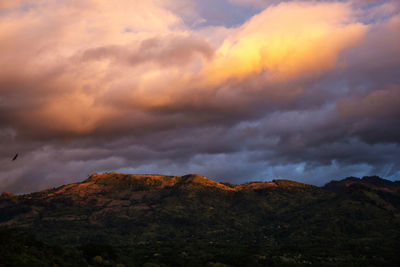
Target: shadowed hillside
(115, 219)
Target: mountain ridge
(374, 182)
(158, 181)
(191, 220)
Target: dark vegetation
(131, 220)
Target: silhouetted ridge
(374, 182)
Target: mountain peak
(195, 180)
(374, 182)
(111, 183)
(114, 182)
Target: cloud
(377, 104)
(300, 89)
(166, 51)
(283, 41)
(255, 3)
(374, 116)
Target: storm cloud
(305, 90)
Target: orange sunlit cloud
(287, 40)
(283, 41)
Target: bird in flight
(15, 157)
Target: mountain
(115, 219)
(373, 182)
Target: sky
(235, 90)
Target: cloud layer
(305, 90)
